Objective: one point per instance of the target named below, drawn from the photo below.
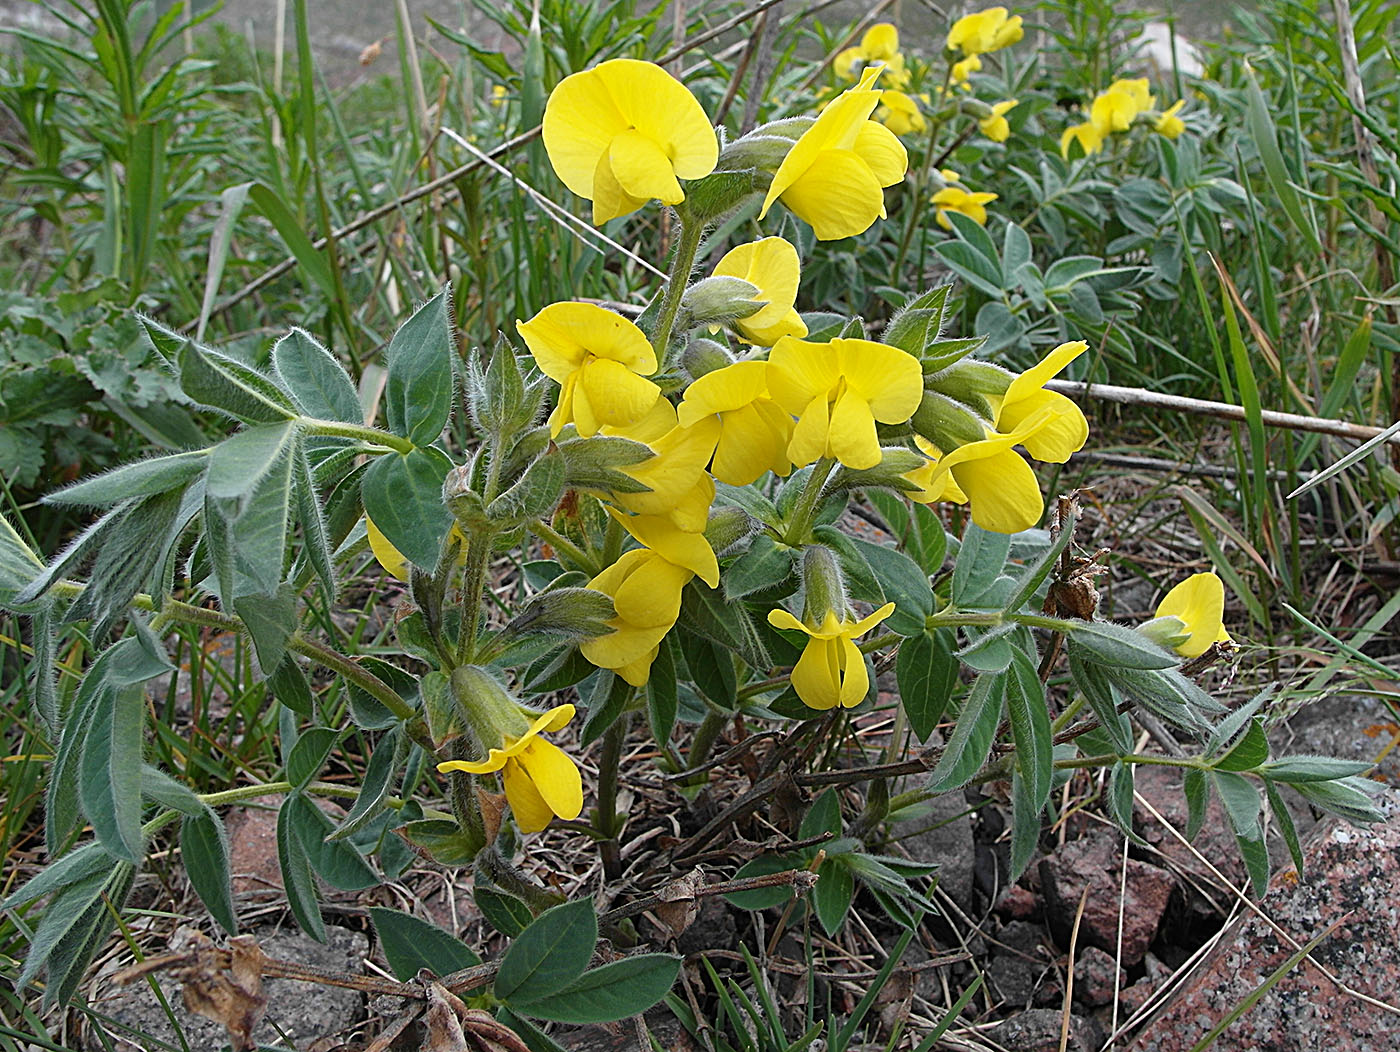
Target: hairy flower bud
(720, 299)
(728, 525)
(947, 423)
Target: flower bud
(574, 613)
(824, 586)
(1169, 632)
(463, 502)
(728, 525)
(895, 462)
(720, 192)
(595, 463)
(719, 300)
(704, 356)
(971, 382)
(947, 423)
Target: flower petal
(682, 548)
(580, 120)
(851, 436)
(881, 149)
(817, 675)
(615, 395)
(781, 618)
(889, 379)
(555, 776)
(1002, 490)
(643, 169)
(532, 814)
(855, 680)
(663, 109)
(724, 390)
(839, 196)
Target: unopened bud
(895, 462)
(462, 501)
(704, 356)
(727, 526)
(574, 613)
(721, 299)
(947, 423)
(722, 191)
(1168, 632)
(824, 586)
(594, 463)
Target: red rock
(1017, 903)
(1161, 787)
(1353, 875)
(1095, 863)
(1096, 977)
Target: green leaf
(295, 865)
(219, 382)
(441, 840)
(410, 945)
(1197, 792)
(78, 864)
(550, 954)
(247, 498)
(418, 393)
(403, 495)
(824, 816)
(763, 898)
(141, 479)
(981, 559)
(290, 228)
(1030, 727)
(1118, 646)
(289, 686)
(615, 991)
(1025, 821)
(1260, 123)
(988, 650)
(383, 765)
(971, 740)
(309, 755)
(1249, 752)
(271, 621)
(316, 540)
(1037, 572)
(1099, 691)
(507, 914)
(534, 496)
(605, 705)
(831, 898)
(1284, 821)
(204, 847)
(927, 674)
(1241, 802)
(1295, 769)
(1119, 798)
(662, 699)
(317, 381)
(18, 563)
(365, 709)
(711, 669)
(763, 566)
(903, 583)
(110, 771)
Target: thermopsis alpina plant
(676, 488)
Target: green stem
(510, 880)
(356, 673)
(799, 525)
(708, 733)
(372, 435)
(1062, 721)
(686, 249)
(559, 542)
(473, 586)
(1109, 759)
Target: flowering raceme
(626, 132)
(995, 126)
(831, 670)
(838, 390)
(1113, 110)
(770, 265)
(834, 175)
(600, 361)
(956, 199)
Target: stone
(302, 1011)
(1020, 965)
(1352, 876)
(1096, 977)
(1017, 903)
(1038, 1030)
(943, 835)
(1161, 787)
(1094, 862)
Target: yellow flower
(963, 70)
(837, 391)
(834, 175)
(998, 484)
(879, 44)
(995, 127)
(831, 670)
(1168, 123)
(1115, 109)
(754, 429)
(499, 94)
(933, 486)
(1199, 604)
(1089, 137)
(678, 486)
(989, 30)
(1062, 428)
(685, 548)
(645, 588)
(599, 359)
(771, 264)
(625, 132)
(899, 113)
(539, 778)
(956, 199)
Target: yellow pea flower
(754, 429)
(1199, 604)
(984, 31)
(772, 266)
(645, 588)
(879, 44)
(831, 670)
(997, 482)
(681, 547)
(1115, 109)
(600, 361)
(933, 485)
(838, 390)
(956, 199)
(834, 175)
(1168, 123)
(995, 127)
(1089, 137)
(679, 487)
(540, 779)
(625, 132)
(1062, 429)
(963, 70)
(899, 113)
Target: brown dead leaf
(493, 809)
(680, 902)
(444, 1028)
(371, 52)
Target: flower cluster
(1115, 110)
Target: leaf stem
(799, 526)
(373, 435)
